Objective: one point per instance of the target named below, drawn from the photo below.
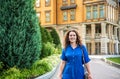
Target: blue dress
(74, 62)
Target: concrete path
(55, 75)
(100, 69)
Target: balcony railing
(97, 35)
(88, 36)
(114, 37)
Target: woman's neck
(74, 45)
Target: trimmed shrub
(20, 32)
(38, 68)
(47, 45)
(12, 73)
(58, 50)
(47, 49)
(55, 36)
(1, 66)
(46, 36)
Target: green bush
(55, 36)
(20, 42)
(38, 68)
(47, 49)
(12, 73)
(1, 68)
(41, 67)
(1, 65)
(46, 36)
(25, 73)
(58, 49)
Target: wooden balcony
(88, 36)
(97, 35)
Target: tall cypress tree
(46, 36)
(20, 38)
(55, 36)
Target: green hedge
(47, 49)
(55, 36)
(38, 68)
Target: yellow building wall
(42, 9)
(91, 3)
(79, 12)
(80, 15)
(80, 21)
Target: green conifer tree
(20, 37)
(56, 39)
(46, 37)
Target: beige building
(95, 20)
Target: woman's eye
(72, 35)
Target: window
(47, 2)
(95, 13)
(72, 14)
(64, 2)
(65, 17)
(89, 47)
(88, 14)
(88, 29)
(38, 15)
(98, 28)
(47, 16)
(97, 48)
(72, 1)
(113, 30)
(37, 3)
(108, 47)
(101, 11)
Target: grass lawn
(116, 59)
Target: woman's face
(72, 37)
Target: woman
(71, 66)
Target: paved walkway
(100, 69)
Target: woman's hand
(59, 76)
(62, 65)
(89, 76)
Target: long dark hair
(67, 42)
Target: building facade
(96, 20)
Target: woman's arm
(88, 70)
(62, 65)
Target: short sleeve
(86, 56)
(63, 57)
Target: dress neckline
(74, 47)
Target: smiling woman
(71, 66)
(72, 37)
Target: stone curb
(48, 75)
(111, 63)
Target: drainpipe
(56, 12)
